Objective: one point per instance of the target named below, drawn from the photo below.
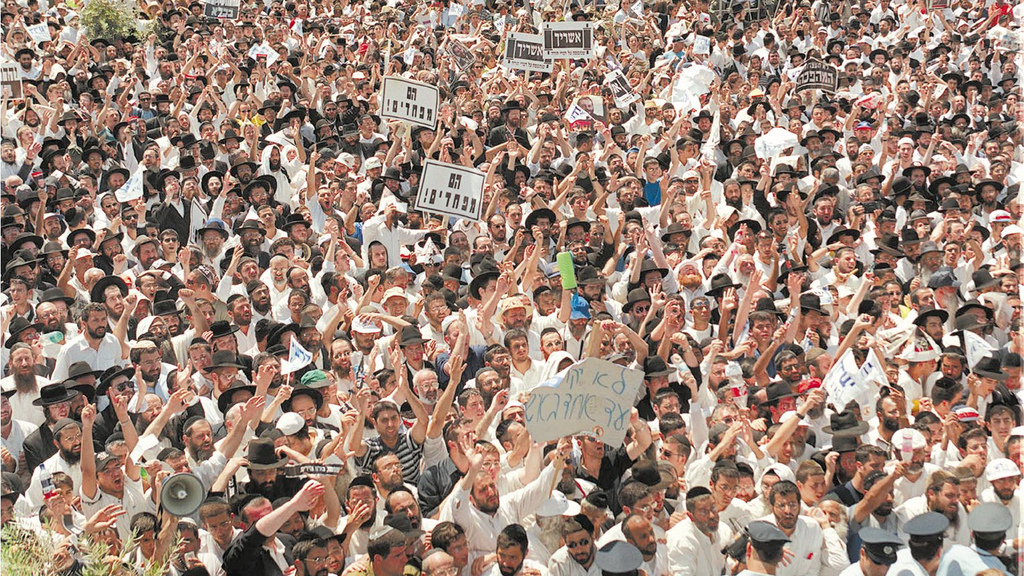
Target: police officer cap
(765, 534)
(619, 557)
(926, 525)
(880, 545)
(990, 517)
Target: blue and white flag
(846, 382)
(976, 348)
(298, 357)
(132, 189)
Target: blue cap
(619, 557)
(927, 525)
(879, 545)
(580, 308)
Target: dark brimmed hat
(262, 456)
(54, 394)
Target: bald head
(436, 562)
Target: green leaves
(109, 20)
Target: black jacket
(245, 555)
(436, 483)
(39, 447)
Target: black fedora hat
(589, 275)
(223, 359)
(221, 328)
(294, 220)
(410, 336)
(533, 216)
(990, 367)
(225, 397)
(650, 266)
(262, 455)
(483, 273)
(96, 294)
(928, 312)
(251, 225)
(635, 296)
(108, 376)
(888, 244)
(719, 284)
(302, 390)
(845, 423)
(655, 366)
(165, 307)
(54, 394)
(79, 369)
(983, 279)
(19, 325)
(811, 303)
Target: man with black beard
(890, 419)
(512, 127)
(576, 556)
(259, 295)
(361, 505)
(55, 400)
(265, 475)
(875, 509)
(513, 544)
(67, 437)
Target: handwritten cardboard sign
(593, 397)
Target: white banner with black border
(451, 190)
(526, 52)
(569, 40)
(411, 101)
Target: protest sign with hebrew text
(526, 52)
(413, 102)
(451, 190)
(569, 39)
(593, 397)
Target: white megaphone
(182, 494)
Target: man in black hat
(55, 401)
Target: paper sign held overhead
(569, 39)
(526, 52)
(132, 189)
(592, 397)
(451, 190)
(10, 80)
(413, 102)
(774, 143)
(817, 75)
(460, 54)
(621, 90)
(222, 9)
(39, 33)
(702, 45)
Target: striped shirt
(408, 451)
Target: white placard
(451, 190)
(413, 102)
(526, 52)
(568, 39)
(223, 9)
(132, 189)
(264, 50)
(621, 90)
(10, 80)
(702, 45)
(774, 143)
(39, 33)
(593, 397)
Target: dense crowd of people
(216, 262)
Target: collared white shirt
(55, 463)
(482, 529)
(78, 350)
(693, 553)
(563, 564)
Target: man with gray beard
(24, 381)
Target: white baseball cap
(1001, 468)
(1012, 229)
(372, 162)
(290, 423)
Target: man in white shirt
(812, 553)
(67, 435)
(476, 505)
(95, 345)
(576, 557)
(695, 544)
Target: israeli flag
(298, 357)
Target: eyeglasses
(318, 559)
(641, 309)
(124, 386)
(449, 571)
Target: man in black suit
(259, 550)
(55, 400)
